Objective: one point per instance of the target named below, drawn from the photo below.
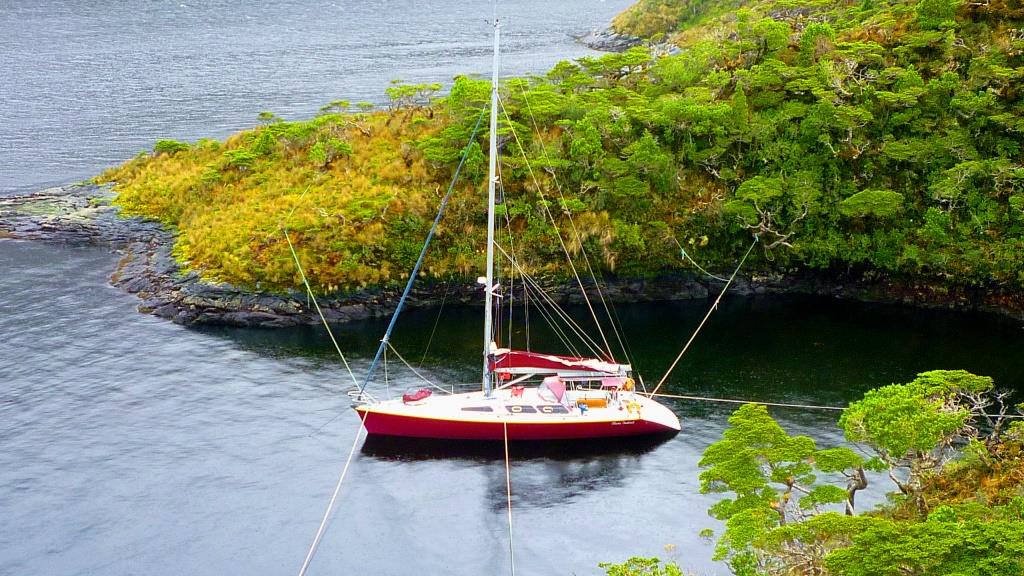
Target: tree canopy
(958, 507)
(882, 136)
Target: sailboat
(525, 395)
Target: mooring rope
(420, 376)
(777, 404)
(508, 495)
(309, 292)
(694, 262)
(735, 401)
(706, 316)
(334, 498)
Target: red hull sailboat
(579, 398)
(524, 395)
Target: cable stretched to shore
(694, 262)
(777, 404)
(706, 316)
(309, 291)
(735, 401)
(334, 498)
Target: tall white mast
(492, 180)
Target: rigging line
(694, 262)
(515, 265)
(414, 371)
(508, 494)
(558, 233)
(551, 320)
(526, 314)
(437, 321)
(291, 212)
(735, 401)
(528, 280)
(576, 328)
(511, 304)
(562, 336)
(334, 498)
(309, 292)
(513, 260)
(706, 316)
(387, 382)
(560, 314)
(628, 349)
(512, 248)
(423, 252)
(555, 326)
(579, 237)
(778, 404)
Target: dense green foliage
(958, 507)
(877, 135)
(331, 181)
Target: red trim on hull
(411, 427)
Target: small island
(872, 148)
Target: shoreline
(83, 214)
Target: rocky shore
(608, 40)
(83, 214)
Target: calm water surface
(88, 84)
(134, 446)
(129, 445)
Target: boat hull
(413, 427)
(447, 420)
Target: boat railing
(361, 396)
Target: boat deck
(525, 413)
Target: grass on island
(880, 136)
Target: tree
(913, 427)
(637, 566)
(817, 39)
(335, 106)
(937, 14)
(771, 476)
(965, 539)
(877, 203)
(169, 147)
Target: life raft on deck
(417, 396)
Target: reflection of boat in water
(525, 395)
(548, 474)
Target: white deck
(530, 408)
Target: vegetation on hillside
(878, 135)
(789, 507)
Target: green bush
(169, 147)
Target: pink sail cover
(519, 361)
(555, 385)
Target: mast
(491, 183)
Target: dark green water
(800, 349)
